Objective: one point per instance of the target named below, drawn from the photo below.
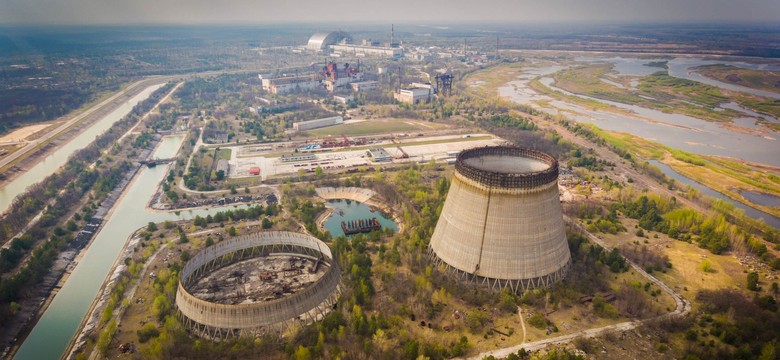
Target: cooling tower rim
(523, 180)
(261, 314)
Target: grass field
(224, 154)
(724, 175)
(376, 126)
(489, 80)
(756, 79)
(670, 94)
(686, 275)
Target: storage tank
(502, 225)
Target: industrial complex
(338, 43)
(258, 284)
(501, 225)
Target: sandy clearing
(21, 134)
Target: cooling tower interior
(257, 284)
(501, 225)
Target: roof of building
(379, 153)
(322, 39)
(335, 119)
(417, 91)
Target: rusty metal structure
(360, 226)
(218, 321)
(502, 225)
(333, 76)
(444, 84)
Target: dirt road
(682, 308)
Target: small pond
(350, 210)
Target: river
(57, 326)
(57, 158)
(673, 130)
(684, 67)
(749, 211)
(677, 130)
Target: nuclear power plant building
(502, 225)
(339, 43)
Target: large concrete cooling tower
(501, 225)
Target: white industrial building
(321, 40)
(340, 43)
(287, 84)
(367, 50)
(318, 123)
(413, 95)
(336, 76)
(343, 99)
(364, 85)
(297, 157)
(379, 155)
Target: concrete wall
(501, 233)
(352, 193)
(264, 314)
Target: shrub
(147, 332)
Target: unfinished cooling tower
(502, 225)
(257, 284)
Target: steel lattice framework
(218, 321)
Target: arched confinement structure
(216, 321)
(502, 225)
(320, 41)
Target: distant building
(343, 99)
(321, 40)
(335, 76)
(364, 85)
(413, 95)
(318, 123)
(298, 157)
(420, 85)
(340, 43)
(287, 84)
(366, 50)
(379, 155)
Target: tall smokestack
(392, 35)
(497, 47)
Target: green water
(345, 210)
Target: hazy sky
(399, 11)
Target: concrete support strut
(517, 286)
